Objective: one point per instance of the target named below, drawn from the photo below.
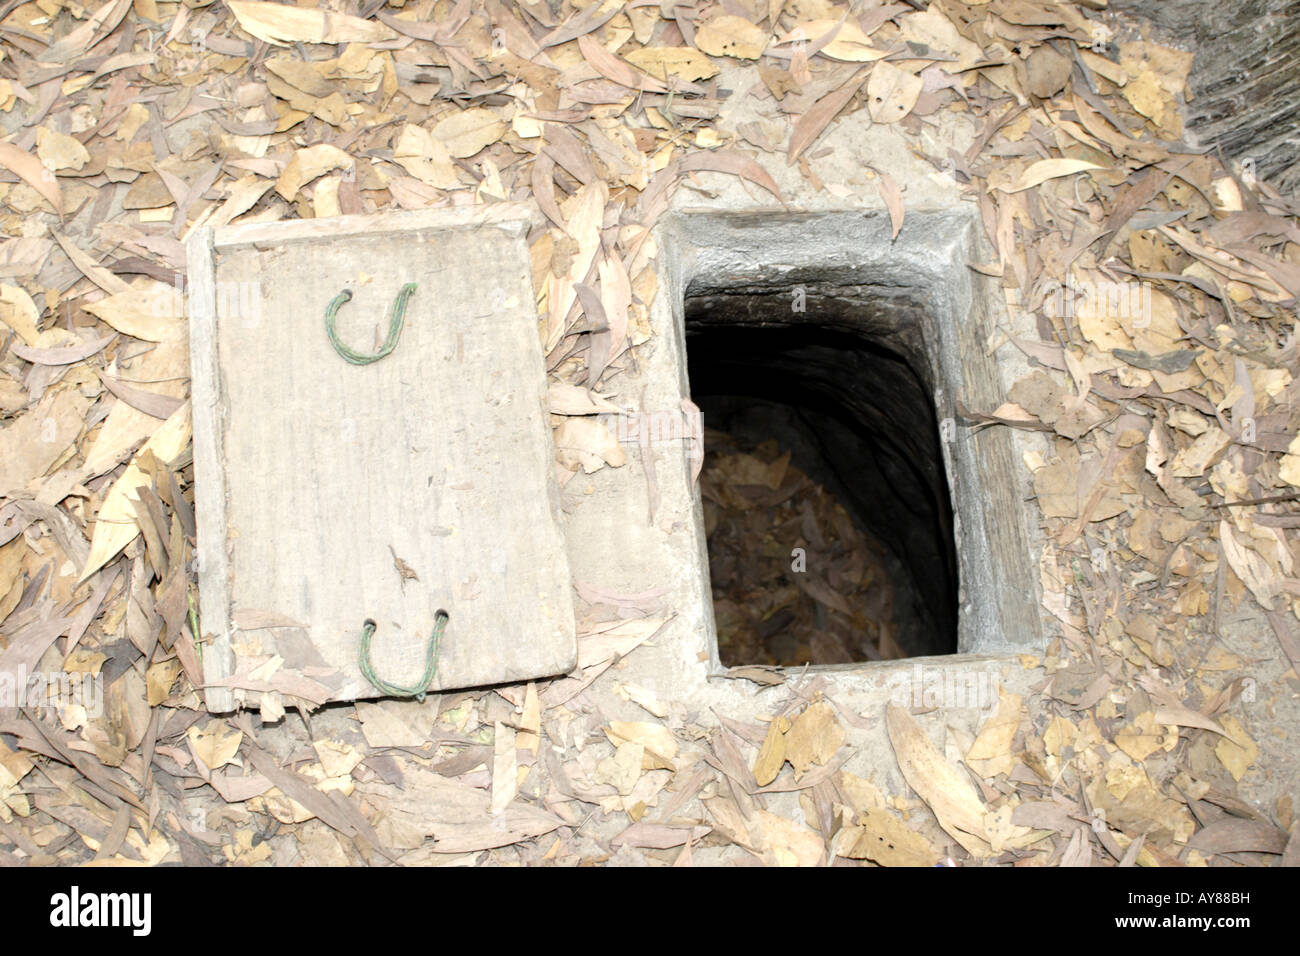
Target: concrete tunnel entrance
(837, 378)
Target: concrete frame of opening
(634, 534)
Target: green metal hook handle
(430, 664)
(396, 318)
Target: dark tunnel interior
(843, 384)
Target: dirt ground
(1157, 729)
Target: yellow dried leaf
(1148, 97)
(115, 524)
(943, 787)
(1289, 469)
(771, 757)
(149, 310)
(993, 743)
(216, 744)
(684, 62)
(466, 132)
(18, 311)
(59, 150)
(309, 163)
(1046, 169)
(425, 157)
(733, 36)
(813, 738)
(1237, 751)
(659, 744)
(1142, 737)
(791, 843)
(282, 24)
(932, 29)
(883, 838)
(624, 769)
(158, 680)
(891, 92)
(337, 758)
(587, 443)
(850, 43)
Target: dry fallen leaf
(587, 443)
(215, 744)
(956, 805)
(882, 838)
(283, 24)
(1046, 169)
(893, 197)
(733, 36)
(820, 114)
(683, 62)
(891, 92)
(466, 132)
(116, 523)
(425, 157)
(813, 738)
(771, 758)
(29, 168)
(308, 164)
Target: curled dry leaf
(576, 400)
(308, 164)
(1250, 566)
(734, 162)
(771, 757)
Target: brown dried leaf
(819, 115)
(29, 168)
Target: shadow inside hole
(850, 397)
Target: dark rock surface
(1245, 78)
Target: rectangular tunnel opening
(827, 510)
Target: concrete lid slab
(331, 493)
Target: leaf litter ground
(1167, 473)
